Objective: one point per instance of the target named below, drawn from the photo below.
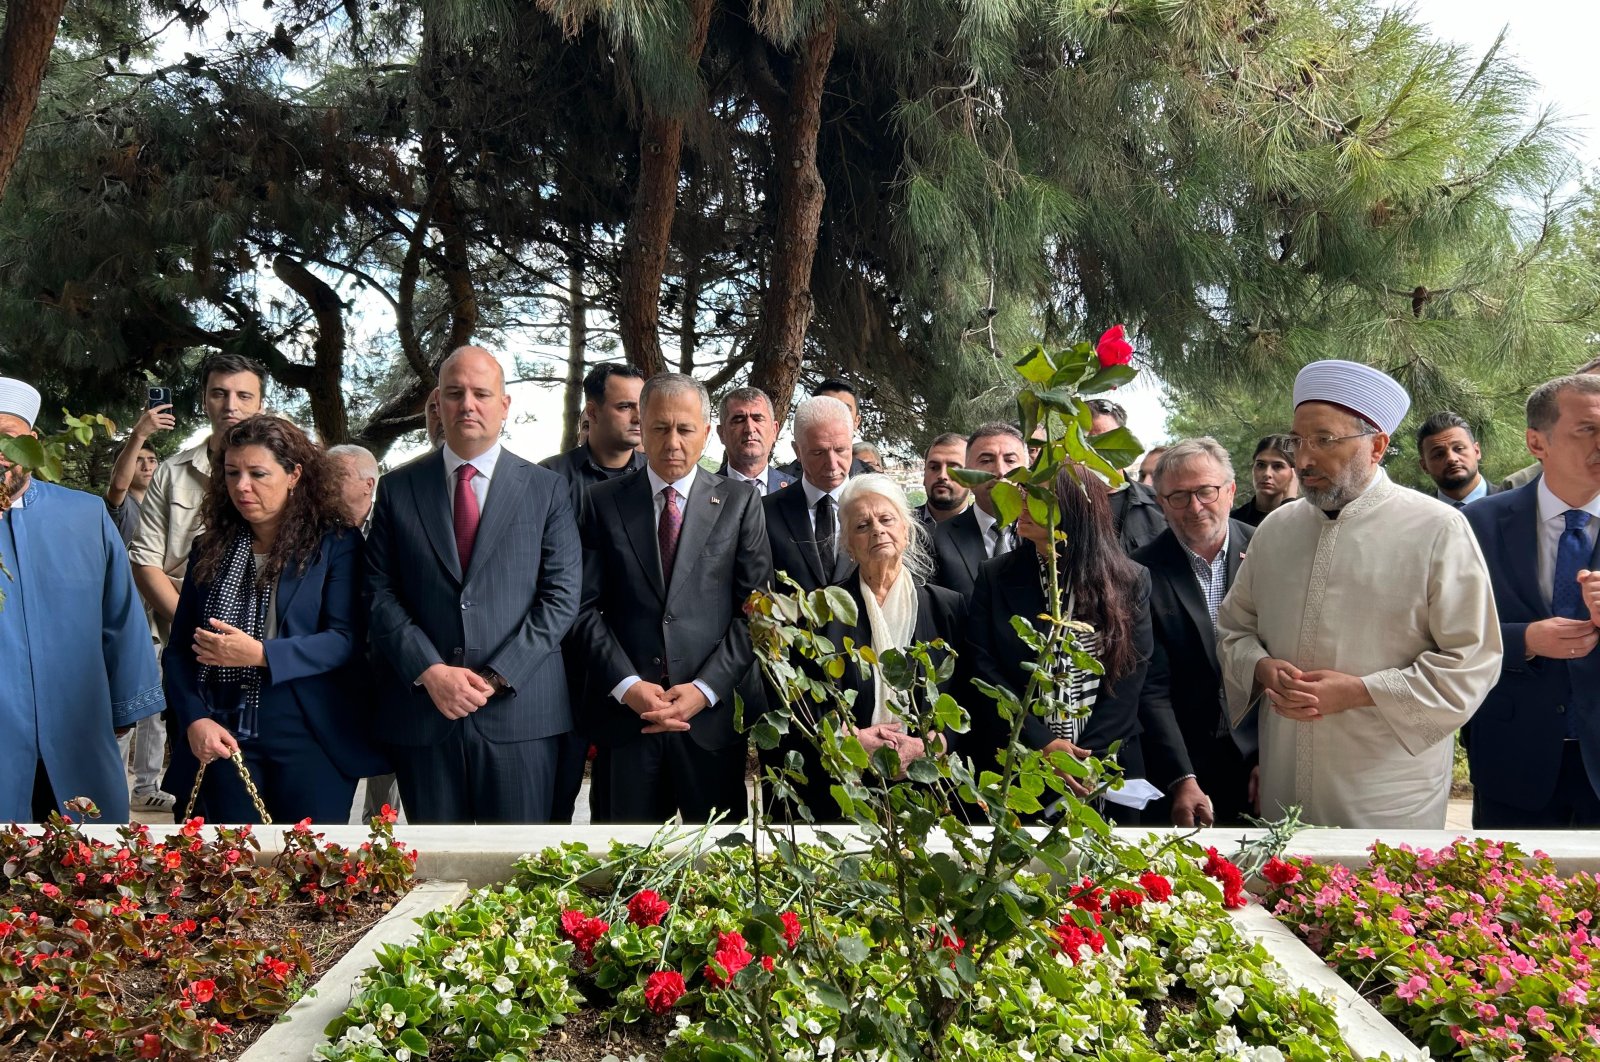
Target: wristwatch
(498, 684)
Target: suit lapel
(1519, 537)
(433, 511)
(793, 506)
(1187, 589)
(289, 583)
(638, 512)
(499, 506)
(701, 510)
(969, 540)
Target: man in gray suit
(474, 573)
(670, 554)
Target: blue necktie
(1566, 596)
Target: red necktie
(667, 532)
(466, 517)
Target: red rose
(647, 908)
(767, 964)
(1113, 348)
(1122, 899)
(662, 989)
(791, 928)
(1279, 872)
(731, 956)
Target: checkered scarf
(233, 694)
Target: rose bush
(1477, 950)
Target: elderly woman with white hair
(896, 608)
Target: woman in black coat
(1102, 588)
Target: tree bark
(30, 33)
(778, 349)
(649, 233)
(577, 344)
(322, 380)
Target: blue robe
(76, 660)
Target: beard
(945, 502)
(1342, 489)
(1458, 480)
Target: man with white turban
(1362, 627)
(75, 659)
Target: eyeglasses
(1180, 499)
(1318, 443)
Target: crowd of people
(470, 631)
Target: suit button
(1561, 709)
(667, 618)
(465, 605)
(656, 661)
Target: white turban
(19, 400)
(1371, 395)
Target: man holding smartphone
(125, 494)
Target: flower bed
(176, 949)
(683, 954)
(1476, 950)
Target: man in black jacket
(1134, 509)
(802, 520)
(1190, 750)
(964, 542)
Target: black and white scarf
(233, 694)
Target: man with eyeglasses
(1200, 761)
(1363, 627)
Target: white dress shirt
(759, 481)
(657, 488)
(814, 495)
(994, 545)
(484, 463)
(1552, 523)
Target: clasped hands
(227, 646)
(665, 709)
(1560, 638)
(1306, 696)
(908, 747)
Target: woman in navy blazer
(265, 650)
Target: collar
(985, 521)
(1370, 495)
(635, 460)
(484, 462)
(1553, 508)
(740, 477)
(814, 494)
(198, 456)
(21, 501)
(1220, 558)
(657, 484)
(1481, 490)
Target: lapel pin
(715, 501)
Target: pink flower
(1411, 988)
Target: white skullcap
(1371, 395)
(19, 399)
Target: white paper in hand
(1133, 793)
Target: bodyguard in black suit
(803, 520)
(963, 543)
(1534, 744)
(1190, 751)
(1449, 453)
(670, 555)
(472, 586)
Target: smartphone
(158, 396)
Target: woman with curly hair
(266, 643)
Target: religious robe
(76, 660)
(1394, 591)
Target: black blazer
(959, 552)
(1137, 516)
(1514, 741)
(1182, 691)
(314, 664)
(1009, 586)
(634, 623)
(507, 612)
(794, 545)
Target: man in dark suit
(1449, 453)
(843, 392)
(803, 520)
(1134, 509)
(474, 573)
(964, 542)
(609, 451)
(946, 499)
(670, 555)
(748, 432)
(1534, 744)
(1190, 751)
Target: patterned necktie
(667, 531)
(1003, 542)
(1572, 556)
(466, 515)
(826, 532)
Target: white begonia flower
(503, 1007)
(796, 1054)
(1025, 1054)
(813, 1026)
(791, 1025)
(512, 964)
(502, 984)
(825, 1047)
(1034, 991)
(402, 1054)
(1228, 1040)
(1229, 999)
(1265, 1054)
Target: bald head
(472, 400)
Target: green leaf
(853, 949)
(1035, 366)
(841, 604)
(1108, 378)
(1118, 446)
(1007, 502)
(23, 450)
(971, 477)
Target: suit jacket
(1009, 586)
(777, 478)
(314, 664)
(1182, 704)
(1138, 517)
(635, 622)
(794, 545)
(959, 552)
(507, 612)
(1514, 742)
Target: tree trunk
(323, 379)
(644, 247)
(688, 338)
(577, 343)
(30, 33)
(779, 344)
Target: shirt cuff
(623, 687)
(711, 695)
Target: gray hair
(365, 463)
(1544, 405)
(675, 383)
(820, 410)
(742, 395)
(918, 557)
(1182, 452)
